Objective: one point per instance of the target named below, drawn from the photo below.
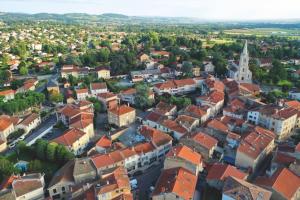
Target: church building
(241, 72)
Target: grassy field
(213, 41)
(265, 32)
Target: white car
(21, 138)
(12, 145)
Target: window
(54, 191)
(63, 188)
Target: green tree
(220, 65)
(187, 68)
(40, 149)
(23, 70)
(142, 99)
(35, 166)
(6, 168)
(277, 72)
(51, 151)
(56, 97)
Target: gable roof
(157, 137)
(185, 153)
(240, 189)
(178, 181)
(283, 181)
(205, 140)
(69, 137)
(121, 110)
(221, 171)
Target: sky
(202, 9)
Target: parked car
(12, 145)
(21, 138)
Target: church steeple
(245, 50)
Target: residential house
(30, 122)
(183, 156)
(214, 100)
(74, 140)
(160, 140)
(173, 87)
(7, 94)
(6, 127)
(103, 144)
(98, 88)
(284, 184)
(235, 189)
(129, 95)
(219, 172)
(254, 148)
(109, 100)
(209, 67)
(121, 116)
(165, 109)
(30, 186)
(188, 122)
(175, 183)
(114, 185)
(210, 84)
(103, 72)
(82, 94)
(275, 118)
(201, 143)
(200, 112)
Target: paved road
(146, 180)
(37, 133)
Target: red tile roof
(255, 143)
(5, 122)
(98, 86)
(104, 142)
(205, 140)
(178, 181)
(283, 181)
(174, 126)
(121, 110)
(185, 153)
(7, 92)
(218, 125)
(219, 171)
(69, 137)
(157, 137)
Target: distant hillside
(114, 18)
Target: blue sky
(203, 9)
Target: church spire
(245, 50)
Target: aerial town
(135, 111)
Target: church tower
(244, 75)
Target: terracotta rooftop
(7, 92)
(185, 153)
(283, 181)
(98, 86)
(82, 91)
(121, 110)
(205, 140)
(69, 137)
(218, 125)
(195, 111)
(178, 181)
(104, 142)
(157, 137)
(240, 189)
(29, 119)
(5, 122)
(255, 143)
(219, 171)
(174, 126)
